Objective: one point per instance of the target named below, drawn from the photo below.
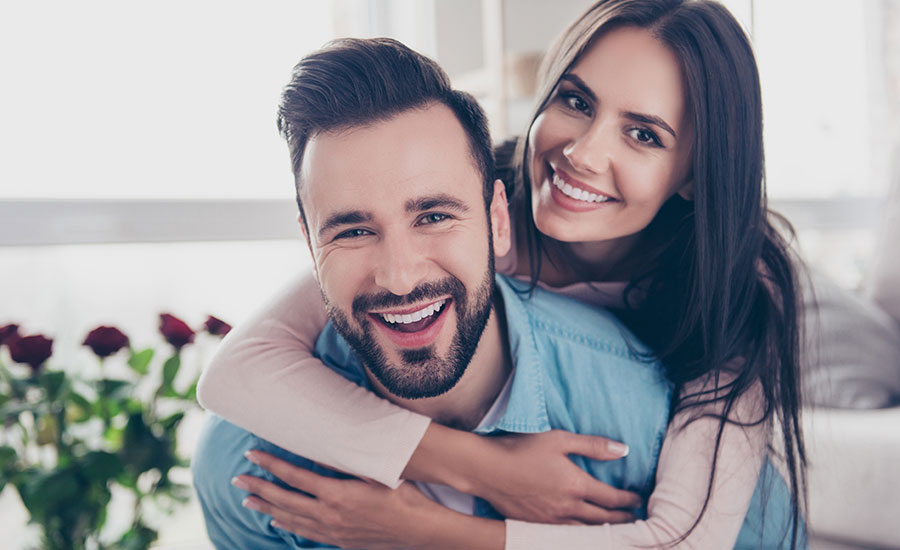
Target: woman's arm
(265, 379)
(682, 480)
(354, 511)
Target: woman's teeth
(414, 316)
(576, 193)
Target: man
(402, 217)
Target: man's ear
(500, 225)
(305, 234)
(687, 191)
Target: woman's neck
(568, 263)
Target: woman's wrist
(449, 457)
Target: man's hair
(355, 82)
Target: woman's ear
(500, 228)
(687, 191)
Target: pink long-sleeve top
(265, 379)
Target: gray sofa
(853, 438)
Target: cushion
(852, 347)
(884, 280)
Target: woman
(638, 187)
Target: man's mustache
(365, 303)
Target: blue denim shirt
(576, 368)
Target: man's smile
(413, 328)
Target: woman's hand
(351, 513)
(528, 477)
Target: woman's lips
(575, 198)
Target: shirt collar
(526, 409)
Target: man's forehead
(384, 165)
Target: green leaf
(170, 371)
(140, 361)
(101, 466)
(139, 537)
(171, 422)
(114, 436)
(191, 393)
(139, 445)
(79, 409)
(53, 382)
(112, 388)
(11, 411)
(45, 493)
(8, 459)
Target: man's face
(402, 245)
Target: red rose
(105, 341)
(216, 326)
(31, 350)
(175, 331)
(8, 333)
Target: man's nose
(589, 151)
(402, 265)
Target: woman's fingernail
(276, 524)
(249, 503)
(615, 447)
(240, 483)
(251, 456)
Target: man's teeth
(576, 193)
(414, 316)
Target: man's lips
(416, 327)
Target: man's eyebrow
(637, 117)
(345, 217)
(435, 201)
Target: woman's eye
(576, 102)
(352, 234)
(645, 136)
(433, 218)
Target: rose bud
(216, 326)
(31, 350)
(105, 341)
(175, 331)
(8, 333)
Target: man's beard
(422, 372)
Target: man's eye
(434, 217)
(352, 234)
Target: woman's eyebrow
(576, 81)
(650, 119)
(580, 84)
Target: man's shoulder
(558, 316)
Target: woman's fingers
(594, 446)
(609, 497)
(291, 501)
(295, 476)
(284, 519)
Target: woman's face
(613, 143)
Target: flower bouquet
(68, 440)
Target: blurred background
(141, 171)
